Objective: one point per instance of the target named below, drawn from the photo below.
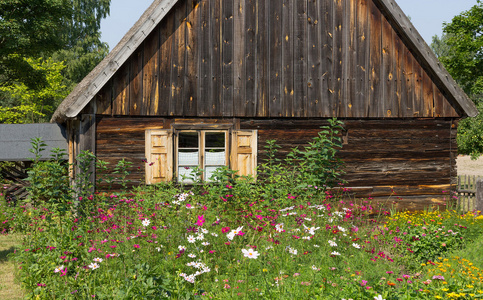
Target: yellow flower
(445, 290)
(469, 286)
(265, 270)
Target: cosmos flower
(250, 253)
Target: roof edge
(422, 49)
(85, 91)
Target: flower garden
(234, 238)
(165, 243)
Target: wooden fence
(466, 192)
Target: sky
(426, 15)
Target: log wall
(415, 158)
(274, 58)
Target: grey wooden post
(479, 194)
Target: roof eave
(85, 91)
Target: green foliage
(459, 49)
(470, 133)
(49, 181)
(302, 170)
(465, 60)
(35, 105)
(28, 29)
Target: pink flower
(136, 246)
(201, 220)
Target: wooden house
(207, 82)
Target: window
(203, 149)
(172, 154)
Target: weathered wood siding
(274, 58)
(416, 158)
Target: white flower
(230, 235)
(279, 227)
(158, 248)
(192, 255)
(204, 230)
(181, 248)
(356, 245)
(214, 234)
(335, 253)
(146, 222)
(93, 266)
(306, 237)
(191, 239)
(341, 228)
(58, 269)
(316, 246)
(200, 236)
(269, 247)
(314, 268)
(378, 297)
(332, 243)
(205, 243)
(250, 253)
(97, 259)
(292, 251)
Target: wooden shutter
(159, 153)
(244, 152)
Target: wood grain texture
(287, 58)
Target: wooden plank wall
(416, 158)
(267, 58)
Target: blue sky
(427, 16)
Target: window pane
(215, 140)
(188, 157)
(182, 171)
(215, 157)
(209, 172)
(188, 140)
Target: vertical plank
(262, 58)
(428, 96)
(103, 100)
(376, 103)
(287, 58)
(251, 57)
(315, 106)
(389, 59)
(438, 102)
(228, 51)
(150, 75)
(338, 57)
(350, 58)
(120, 102)
(239, 79)
(166, 43)
(328, 56)
(300, 60)
(190, 89)
(418, 89)
(409, 84)
(205, 105)
(401, 74)
(275, 58)
(178, 60)
(136, 83)
(360, 107)
(216, 58)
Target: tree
(83, 48)
(464, 35)
(461, 51)
(35, 105)
(29, 28)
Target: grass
(9, 289)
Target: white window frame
(201, 151)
